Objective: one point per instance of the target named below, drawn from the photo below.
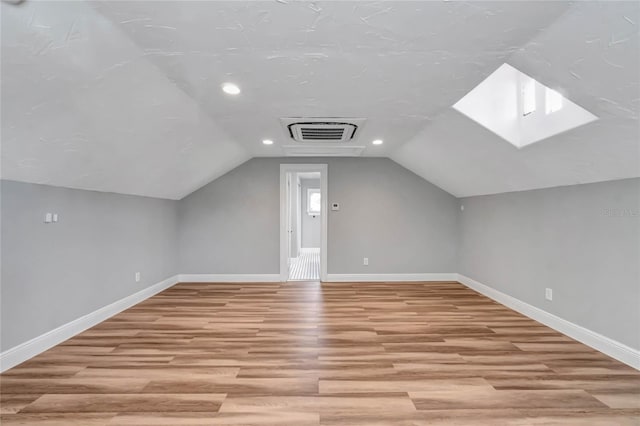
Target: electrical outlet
(365, 261)
(548, 294)
(137, 277)
(48, 218)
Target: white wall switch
(462, 208)
(548, 294)
(365, 261)
(137, 277)
(55, 217)
(335, 206)
(48, 218)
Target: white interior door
(298, 214)
(289, 218)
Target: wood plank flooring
(305, 353)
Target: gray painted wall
(397, 219)
(311, 225)
(54, 273)
(232, 225)
(582, 241)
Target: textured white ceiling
(592, 55)
(82, 107)
(125, 96)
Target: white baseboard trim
(24, 351)
(613, 348)
(229, 278)
(341, 278)
(18, 354)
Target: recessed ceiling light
(230, 89)
(267, 142)
(377, 142)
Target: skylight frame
(502, 103)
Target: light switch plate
(48, 218)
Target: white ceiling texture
(124, 96)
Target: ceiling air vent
(316, 130)
(322, 132)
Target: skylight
(519, 109)
(528, 96)
(553, 100)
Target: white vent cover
(322, 130)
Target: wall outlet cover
(548, 294)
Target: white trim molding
(343, 278)
(613, 348)
(229, 278)
(18, 354)
(27, 350)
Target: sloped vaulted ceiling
(124, 96)
(592, 54)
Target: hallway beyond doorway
(305, 267)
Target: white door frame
(288, 211)
(284, 235)
(298, 215)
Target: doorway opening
(303, 222)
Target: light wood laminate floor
(305, 353)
